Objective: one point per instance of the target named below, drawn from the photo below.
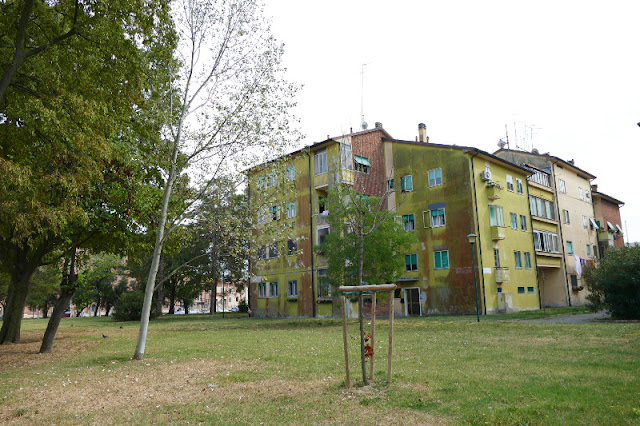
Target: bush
(243, 307)
(129, 307)
(615, 283)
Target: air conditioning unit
(486, 175)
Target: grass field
(200, 369)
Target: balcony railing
(497, 233)
(502, 275)
(541, 178)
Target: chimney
(594, 188)
(422, 133)
(378, 125)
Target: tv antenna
(363, 123)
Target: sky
(563, 76)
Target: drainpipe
(475, 196)
(533, 243)
(313, 292)
(564, 257)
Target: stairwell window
(565, 216)
(320, 165)
(291, 210)
(496, 216)
(585, 222)
(410, 262)
(581, 193)
(519, 187)
(441, 259)
(527, 260)
(509, 183)
(435, 177)
(406, 183)
(496, 257)
(517, 256)
(324, 288)
(523, 222)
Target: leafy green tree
(363, 245)
(65, 102)
(614, 284)
(232, 110)
(45, 283)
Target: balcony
(497, 233)
(605, 237)
(493, 192)
(502, 275)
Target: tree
(60, 115)
(614, 284)
(45, 283)
(363, 245)
(232, 109)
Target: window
(390, 183)
(346, 159)
(320, 162)
(322, 235)
(574, 281)
(588, 250)
(518, 258)
(581, 193)
(521, 290)
(514, 221)
(409, 222)
(527, 260)
(435, 177)
(441, 259)
(509, 183)
(541, 207)
(496, 216)
(273, 289)
(275, 213)
(562, 187)
(569, 247)
(290, 173)
(523, 222)
(411, 262)
(545, 241)
(438, 218)
(595, 251)
(322, 204)
(565, 216)
(293, 289)
(291, 210)
(262, 290)
(292, 247)
(260, 182)
(262, 252)
(585, 222)
(496, 257)
(519, 187)
(530, 290)
(272, 179)
(406, 183)
(324, 289)
(273, 250)
(587, 195)
(362, 164)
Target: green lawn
(239, 370)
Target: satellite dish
(364, 125)
(502, 143)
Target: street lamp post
(472, 240)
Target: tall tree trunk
(186, 307)
(157, 251)
(361, 308)
(108, 308)
(172, 300)
(68, 290)
(95, 313)
(160, 286)
(16, 300)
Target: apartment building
(564, 205)
(607, 214)
(441, 193)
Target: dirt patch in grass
(160, 391)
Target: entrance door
(412, 299)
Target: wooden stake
(373, 333)
(344, 338)
(391, 309)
